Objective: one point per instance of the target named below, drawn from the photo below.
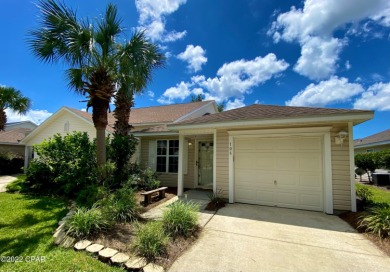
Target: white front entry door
(282, 171)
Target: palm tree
(135, 73)
(10, 98)
(92, 53)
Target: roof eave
(355, 118)
(372, 144)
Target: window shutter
(185, 157)
(152, 154)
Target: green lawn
(379, 195)
(26, 228)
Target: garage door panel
(284, 198)
(310, 162)
(294, 163)
(308, 144)
(310, 181)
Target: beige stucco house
(294, 157)
(373, 143)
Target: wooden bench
(148, 194)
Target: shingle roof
(376, 138)
(13, 136)
(258, 112)
(150, 115)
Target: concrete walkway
(256, 238)
(4, 180)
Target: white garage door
(283, 172)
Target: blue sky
(321, 53)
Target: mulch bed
(121, 236)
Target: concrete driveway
(256, 238)
(4, 180)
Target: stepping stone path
(153, 268)
(136, 263)
(119, 259)
(106, 254)
(94, 248)
(82, 245)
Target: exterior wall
(18, 149)
(57, 125)
(222, 162)
(341, 175)
(170, 179)
(371, 148)
(341, 182)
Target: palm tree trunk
(123, 104)
(99, 117)
(3, 119)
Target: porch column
(180, 170)
(26, 158)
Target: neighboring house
(373, 143)
(23, 124)
(12, 135)
(292, 157)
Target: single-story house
(10, 138)
(293, 157)
(373, 143)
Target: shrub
(216, 200)
(65, 165)
(120, 206)
(39, 177)
(85, 222)
(144, 179)
(121, 149)
(384, 159)
(181, 218)
(151, 240)
(17, 185)
(378, 222)
(364, 193)
(90, 195)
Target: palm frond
(14, 99)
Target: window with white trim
(167, 156)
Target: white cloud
(150, 94)
(376, 97)
(152, 18)
(180, 91)
(237, 78)
(318, 58)
(194, 56)
(36, 116)
(326, 92)
(236, 103)
(314, 24)
(233, 80)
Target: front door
(205, 163)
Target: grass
(378, 195)
(26, 228)
(17, 185)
